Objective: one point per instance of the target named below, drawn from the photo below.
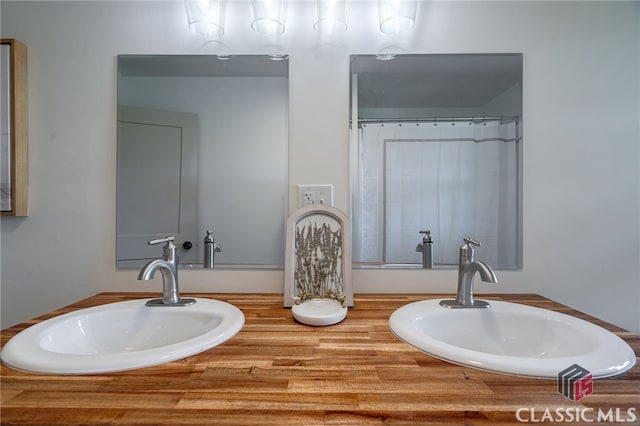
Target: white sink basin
(511, 338)
(121, 336)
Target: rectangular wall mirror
(436, 144)
(202, 145)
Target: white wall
(581, 156)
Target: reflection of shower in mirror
(436, 143)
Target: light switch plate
(315, 194)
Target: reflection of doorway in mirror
(156, 184)
(242, 156)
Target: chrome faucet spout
(170, 294)
(168, 267)
(467, 269)
(465, 281)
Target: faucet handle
(467, 251)
(169, 250)
(161, 240)
(470, 241)
(427, 236)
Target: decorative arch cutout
(318, 255)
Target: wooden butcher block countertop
(276, 372)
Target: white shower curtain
(454, 178)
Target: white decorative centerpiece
(318, 265)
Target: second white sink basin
(121, 336)
(511, 338)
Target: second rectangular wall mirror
(202, 145)
(436, 143)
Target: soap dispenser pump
(210, 250)
(426, 247)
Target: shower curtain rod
(438, 119)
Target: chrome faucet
(168, 267)
(467, 268)
(426, 247)
(210, 250)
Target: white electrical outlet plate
(315, 194)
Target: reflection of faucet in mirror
(426, 247)
(168, 267)
(210, 250)
(467, 268)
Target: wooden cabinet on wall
(13, 128)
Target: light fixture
(330, 16)
(396, 16)
(385, 56)
(274, 51)
(388, 53)
(206, 17)
(269, 16)
(278, 56)
(216, 47)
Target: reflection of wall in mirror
(506, 103)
